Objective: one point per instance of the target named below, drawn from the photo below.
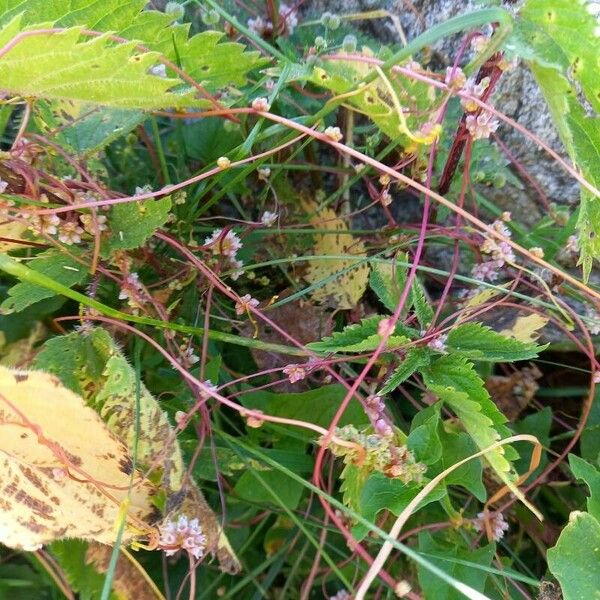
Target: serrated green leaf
(440, 555)
(565, 66)
(420, 303)
(67, 66)
(132, 223)
(360, 337)
(454, 380)
(388, 281)
(203, 56)
(352, 481)
(423, 439)
(479, 342)
(575, 560)
(84, 128)
(61, 267)
(415, 359)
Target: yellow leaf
(62, 472)
(13, 230)
(345, 290)
(526, 328)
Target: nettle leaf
(204, 57)
(132, 223)
(454, 380)
(343, 281)
(565, 67)
(360, 337)
(441, 555)
(575, 560)
(68, 66)
(61, 267)
(388, 280)
(421, 304)
(415, 359)
(93, 363)
(61, 457)
(479, 342)
(84, 128)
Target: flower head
(334, 133)
(245, 303)
(268, 218)
(226, 245)
(498, 524)
(295, 373)
(183, 534)
(69, 232)
(438, 343)
(482, 126)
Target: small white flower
(334, 133)
(596, 378)
(225, 245)
(245, 303)
(385, 197)
(159, 70)
(295, 373)
(498, 525)
(537, 252)
(268, 218)
(223, 162)
(260, 104)
(88, 223)
(69, 233)
(184, 534)
(482, 126)
(455, 78)
(264, 173)
(210, 387)
(438, 343)
(3, 185)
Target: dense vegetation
(278, 318)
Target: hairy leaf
(60, 266)
(478, 342)
(360, 337)
(388, 280)
(415, 359)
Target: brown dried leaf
(513, 394)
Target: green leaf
(590, 438)
(565, 66)
(415, 359)
(479, 342)
(588, 473)
(420, 303)
(202, 56)
(61, 267)
(352, 482)
(84, 579)
(360, 337)
(454, 380)
(84, 128)
(575, 560)
(387, 281)
(382, 493)
(317, 406)
(440, 555)
(68, 66)
(289, 492)
(423, 438)
(132, 223)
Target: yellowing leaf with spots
(341, 281)
(11, 230)
(526, 328)
(62, 472)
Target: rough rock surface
(517, 93)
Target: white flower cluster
(500, 252)
(264, 27)
(498, 525)
(182, 534)
(226, 245)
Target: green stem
(23, 273)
